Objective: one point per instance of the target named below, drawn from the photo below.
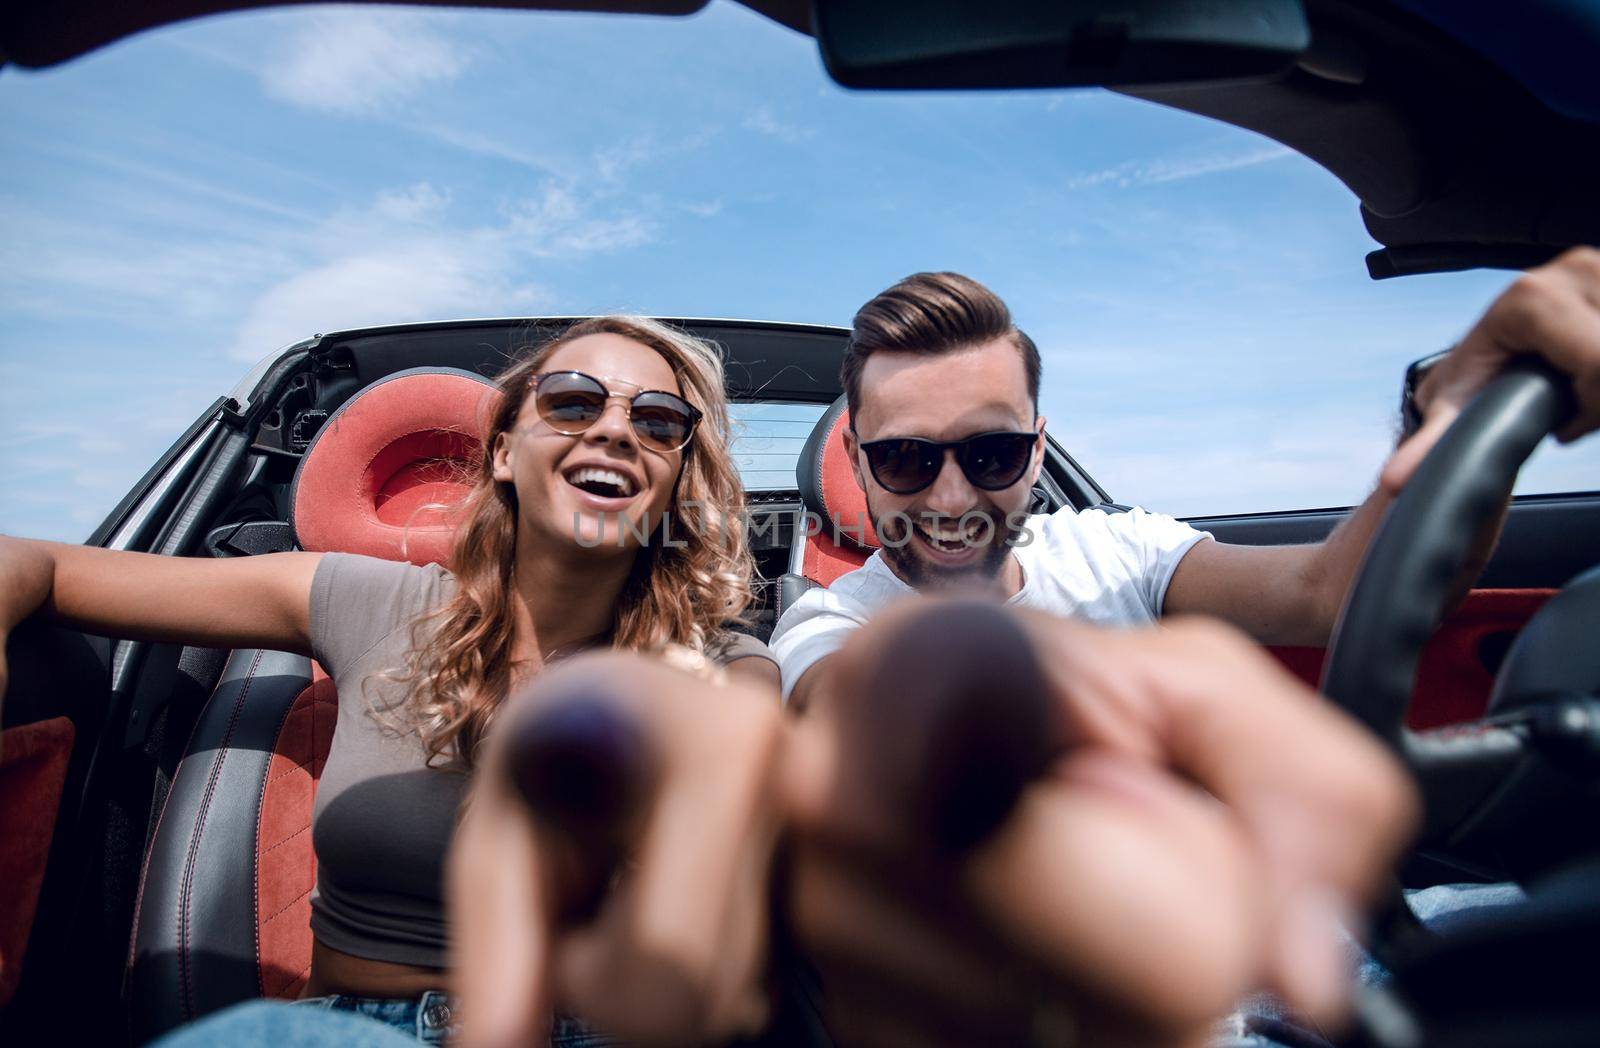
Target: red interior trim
(33, 769)
(824, 561)
(1453, 684)
(286, 866)
(843, 500)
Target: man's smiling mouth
(952, 538)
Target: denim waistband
(433, 1018)
(430, 1018)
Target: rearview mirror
(1070, 43)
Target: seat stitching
(288, 907)
(287, 839)
(300, 975)
(185, 990)
(144, 868)
(311, 708)
(295, 978)
(294, 766)
(822, 454)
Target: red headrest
(828, 484)
(387, 470)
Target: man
(937, 358)
(946, 442)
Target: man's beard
(919, 574)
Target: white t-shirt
(1110, 568)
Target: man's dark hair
(932, 313)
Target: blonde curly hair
(681, 593)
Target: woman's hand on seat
(613, 860)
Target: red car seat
(224, 899)
(837, 535)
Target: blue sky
(176, 206)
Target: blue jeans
(429, 1018)
(1263, 1022)
(348, 1022)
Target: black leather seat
(225, 895)
(207, 900)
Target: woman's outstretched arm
(262, 602)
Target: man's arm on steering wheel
(1292, 594)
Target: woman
(608, 434)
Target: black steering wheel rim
(1414, 561)
(1410, 572)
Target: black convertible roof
(763, 360)
(1469, 132)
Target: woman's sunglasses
(570, 402)
(991, 461)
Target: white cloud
(262, 282)
(1156, 172)
(53, 265)
(125, 169)
(1178, 170)
(415, 204)
(610, 164)
(495, 147)
(357, 62)
(247, 283)
(561, 222)
(765, 122)
(399, 261)
(614, 161)
(425, 278)
(1076, 97)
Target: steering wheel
(1489, 785)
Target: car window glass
(767, 439)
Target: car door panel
(1547, 539)
(56, 700)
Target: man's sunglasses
(991, 461)
(570, 402)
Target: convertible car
(154, 799)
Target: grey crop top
(383, 819)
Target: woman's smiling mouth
(606, 483)
(602, 487)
